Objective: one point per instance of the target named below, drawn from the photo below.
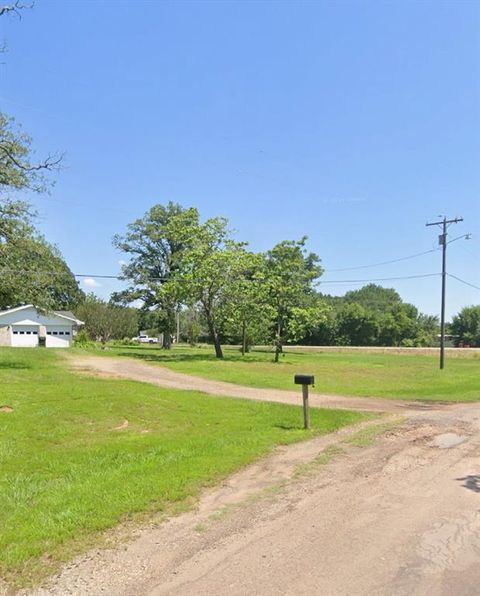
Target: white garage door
(58, 337)
(24, 336)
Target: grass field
(406, 376)
(67, 472)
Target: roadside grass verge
(71, 466)
(402, 376)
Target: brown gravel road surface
(397, 517)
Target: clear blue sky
(351, 122)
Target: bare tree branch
(52, 162)
(15, 8)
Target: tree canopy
(31, 269)
(104, 321)
(155, 245)
(466, 326)
(290, 273)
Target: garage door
(58, 337)
(25, 336)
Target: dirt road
(164, 377)
(399, 517)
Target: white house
(27, 326)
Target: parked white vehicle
(145, 339)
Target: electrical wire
(119, 277)
(345, 281)
(418, 254)
(467, 283)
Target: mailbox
(304, 380)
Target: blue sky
(351, 122)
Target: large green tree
(31, 269)
(211, 265)
(290, 272)
(155, 245)
(245, 309)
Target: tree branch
(15, 8)
(51, 163)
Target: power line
(120, 278)
(418, 254)
(342, 281)
(467, 283)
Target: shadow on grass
(158, 355)
(14, 365)
(289, 426)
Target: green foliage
(31, 270)
(208, 273)
(17, 170)
(289, 274)
(190, 325)
(373, 316)
(68, 472)
(104, 321)
(155, 245)
(246, 314)
(466, 326)
(83, 339)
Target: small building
(27, 326)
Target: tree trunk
(214, 335)
(244, 337)
(278, 338)
(167, 340)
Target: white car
(145, 339)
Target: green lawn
(66, 473)
(405, 376)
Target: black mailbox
(304, 380)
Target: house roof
(27, 322)
(63, 314)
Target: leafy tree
(104, 321)
(356, 325)
(191, 325)
(18, 171)
(290, 273)
(246, 312)
(374, 297)
(31, 269)
(427, 330)
(155, 244)
(207, 275)
(466, 326)
(373, 315)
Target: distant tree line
(373, 316)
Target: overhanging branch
(51, 163)
(15, 8)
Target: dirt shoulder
(396, 517)
(164, 377)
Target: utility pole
(442, 240)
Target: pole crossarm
(444, 222)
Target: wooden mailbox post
(305, 381)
